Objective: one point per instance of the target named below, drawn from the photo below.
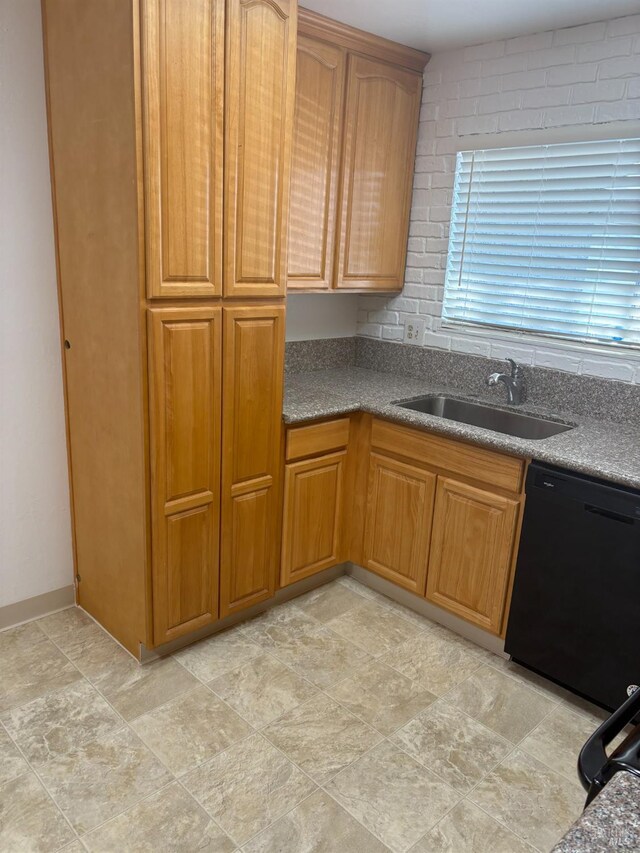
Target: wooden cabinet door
(314, 168)
(474, 533)
(251, 447)
(313, 497)
(184, 384)
(398, 524)
(381, 121)
(261, 55)
(183, 65)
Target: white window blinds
(547, 239)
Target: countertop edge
(501, 443)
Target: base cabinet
(436, 516)
(313, 502)
(398, 522)
(474, 533)
(185, 391)
(253, 355)
(314, 499)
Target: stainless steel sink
(499, 420)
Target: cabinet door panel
(381, 120)
(183, 62)
(314, 167)
(474, 535)
(253, 379)
(261, 45)
(398, 525)
(313, 496)
(250, 549)
(185, 384)
(253, 356)
(190, 582)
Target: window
(546, 239)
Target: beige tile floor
(338, 722)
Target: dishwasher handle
(593, 754)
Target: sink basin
(499, 420)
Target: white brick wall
(574, 77)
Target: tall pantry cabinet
(170, 136)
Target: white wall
(35, 532)
(321, 315)
(571, 82)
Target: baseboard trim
(36, 607)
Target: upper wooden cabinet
(381, 122)
(183, 70)
(261, 56)
(207, 138)
(314, 166)
(354, 139)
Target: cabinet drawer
(454, 456)
(315, 439)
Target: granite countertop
(599, 448)
(611, 823)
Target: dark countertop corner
(611, 824)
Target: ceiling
(435, 25)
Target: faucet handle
(515, 368)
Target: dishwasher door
(575, 609)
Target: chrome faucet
(514, 383)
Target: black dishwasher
(575, 610)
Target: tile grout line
(346, 808)
(94, 621)
(428, 628)
(125, 725)
(119, 814)
(317, 788)
(254, 732)
(30, 767)
(515, 746)
(47, 692)
(557, 702)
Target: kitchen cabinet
(356, 118)
(381, 123)
(398, 525)
(434, 515)
(185, 395)
(313, 498)
(444, 515)
(251, 445)
(170, 126)
(472, 551)
(186, 109)
(183, 106)
(315, 161)
(261, 56)
(314, 494)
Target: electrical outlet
(413, 330)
